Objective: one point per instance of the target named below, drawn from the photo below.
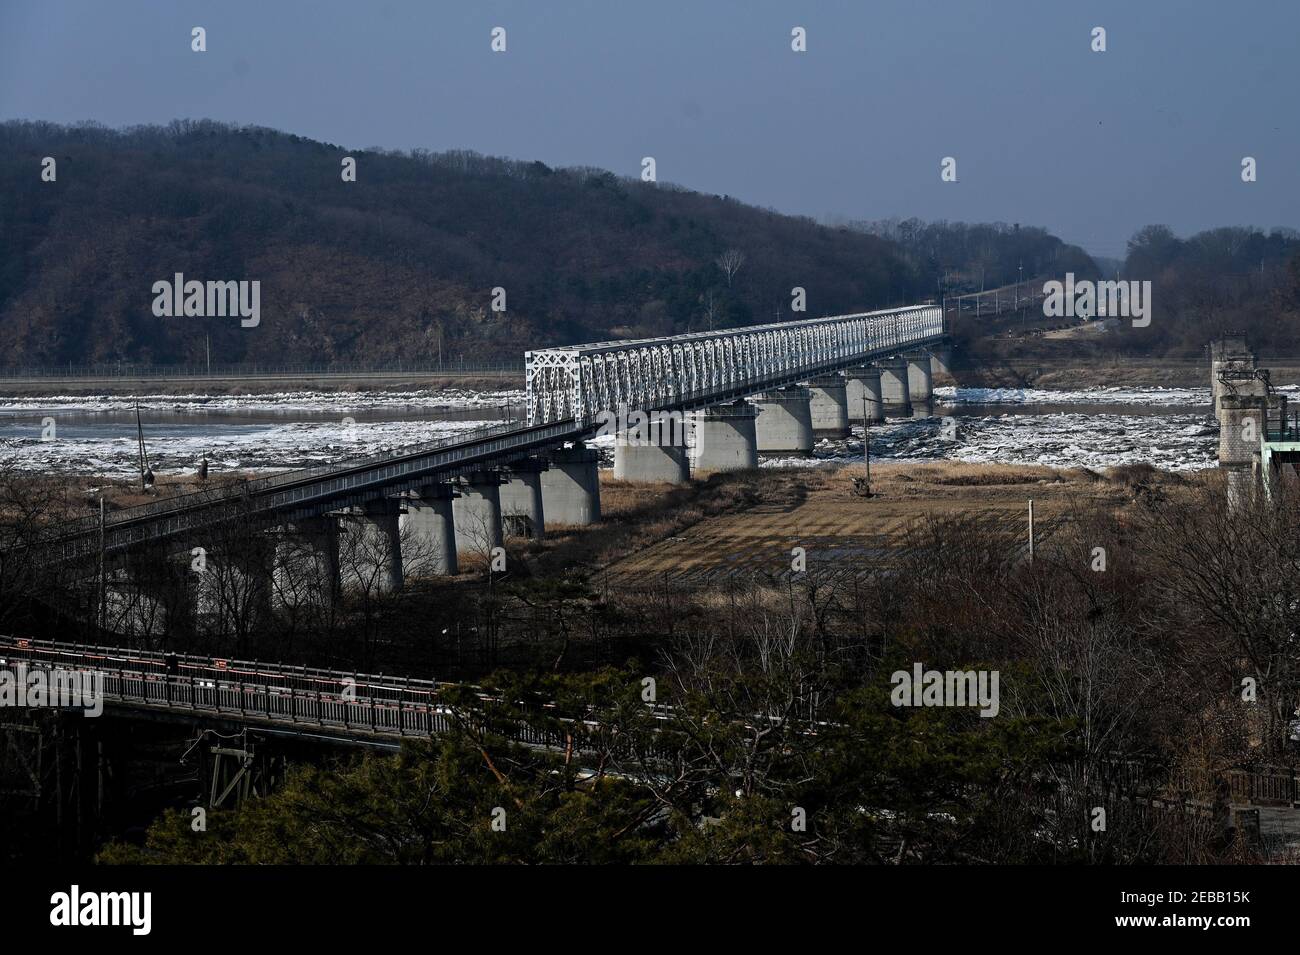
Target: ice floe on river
(1167, 428)
(1175, 442)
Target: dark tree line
(1226, 280)
(962, 257)
(402, 262)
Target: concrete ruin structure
(1259, 438)
(1232, 364)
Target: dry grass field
(773, 512)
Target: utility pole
(1031, 530)
(866, 440)
(146, 472)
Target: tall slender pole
(139, 434)
(866, 440)
(1031, 530)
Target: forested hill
(402, 263)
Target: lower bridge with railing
(367, 709)
(229, 699)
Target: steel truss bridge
(567, 389)
(690, 371)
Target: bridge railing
(354, 704)
(55, 654)
(175, 513)
(252, 691)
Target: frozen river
(1169, 428)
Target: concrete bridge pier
(894, 391)
(828, 407)
(1241, 427)
(571, 486)
(941, 361)
(523, 511)
(477, 512)
(725, 438)
(430, 529)
(370, 546)
(655, 452)
(920, 385)
(863, 385)
(784, 424)
(306, 569)
(648, 463)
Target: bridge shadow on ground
(638, 516)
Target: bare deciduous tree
(730, 263)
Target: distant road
(259, 377)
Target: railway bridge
(738, 393)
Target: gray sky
(1045, 131)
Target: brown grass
(751, 522)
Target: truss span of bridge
(568, 390)
(579, 382)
